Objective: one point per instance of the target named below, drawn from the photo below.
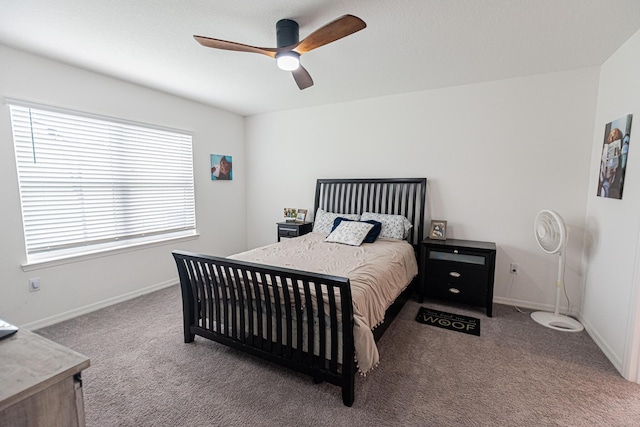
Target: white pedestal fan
(552, 235)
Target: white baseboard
(97, 306)
(533, 305)
(615, 360)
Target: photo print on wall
(613, 162)
(221, 167)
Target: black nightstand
(458, 270)
(293, 229)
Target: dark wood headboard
(397, 196)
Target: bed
(304, 303)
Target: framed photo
(290, 214)
(221, 167)
(613, 163)
(438, 229)
(302, 215)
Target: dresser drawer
(456, 274)
(458, 257)
(293, 229)
(465, 285)
(285, 231)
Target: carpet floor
(516, 374)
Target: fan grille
(550, 230)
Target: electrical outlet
(34, 284)
(513, 268)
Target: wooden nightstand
(293, 229)
(459, 271)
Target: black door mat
(453, 322)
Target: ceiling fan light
(288, 61)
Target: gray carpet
(516, 373)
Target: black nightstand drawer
(463, 295)
(285, 231)
(293, 229)
(466, 285)
(458, 275)
(458, 257)
(458, 271)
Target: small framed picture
(221, 167)
(438, 229)
(290, 214)
(302, 216)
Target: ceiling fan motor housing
(287, 32)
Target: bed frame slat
(299, 325)
(287, 310)
(322, 332)
(333, 312)
(309, 308)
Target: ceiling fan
(289, 49)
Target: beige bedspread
(378, 273)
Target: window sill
(99, 253)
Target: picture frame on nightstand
(301, 216)
(290, 214)
(438, 229)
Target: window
(89, 182)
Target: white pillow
(350, 233)
(323, 221)
(393, 226)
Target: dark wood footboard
(274, 313)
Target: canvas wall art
(613, 162)
(221, 167)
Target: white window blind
(88, 180)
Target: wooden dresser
(40, 383)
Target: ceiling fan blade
(302, 77)
(335, 30)
(238, 47)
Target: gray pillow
(393, 226)
(323, 221)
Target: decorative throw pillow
(349, 233)
(323, 221)
(372, 235)
(393, 226)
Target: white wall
(612, 225)
(494, 154)
(70, 289)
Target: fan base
(557, 322)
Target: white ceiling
(408, 45)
